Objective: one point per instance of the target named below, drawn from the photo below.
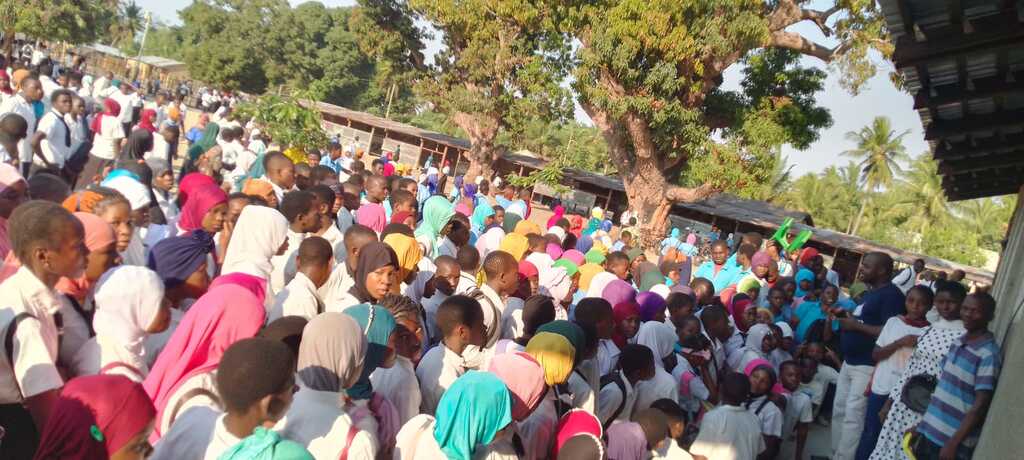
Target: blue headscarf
(584, 243)
(377, 324)
(481, 212)
(176, 258)
(803, 275)
(471, 412)
(606, 225)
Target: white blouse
(318, 421)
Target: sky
(849, 113)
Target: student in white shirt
(127, 99)
(185, 373)
(255, 380)
(49, 242)
(327, 229)
(729, 431)
(12, 130)
(299, 297)
(331, 357)
(798, 414)
(129, 305)
(469, 264)
(21, 104)
(760, 404)
(461, 321)
(52, 141)
(617, 397)
(299, 207)
(442, 282)
(502, 272)
(280, 172)
(907, 278)
(398, 383)
(661, 339)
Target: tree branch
(820, 18)
(677, 194)
(797, 42)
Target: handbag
(917, 391)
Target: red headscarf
(576, 225)
(221, 317)
(622, 311)
(110, 109)
(191, 182)
(575, 422)
(526, 271)
(807, 255)
(740, 304)
(6, 89)
(201, 201)
(95, 417)
(399, 217)
(559, 212)
(146, 119)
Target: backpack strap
(481, 297)
(86, 315)
(189, 395)
(352, 432)
(12, 328)
(615, 378)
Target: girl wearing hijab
(378, 325)
(482, 218)
(187, 366)
(652, 307)
(599, 282)
(759, 345)
(489, 242)
(556, 283)
(129, 306)
(206, 209)
(556, 349)
(437, 212)
(524, 378)
(206, 142)
(618, 291)
(374, 275)
(559, 211)
(408, 256)
(260, 234)
(106, 143)
(146, 119)
(762, 379)
(661, 339)
(594, 224)
(331, 358)
(515, 244)
(577, 423)
(98, 417)
(140, 141)
(180, 262)
(473, 421)
(627, 322)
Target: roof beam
(1001, 189)
(990, 33)
(1013, 175)
(980, 163)
(983, 87)
(947, 150)
(944, 128)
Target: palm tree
(921, 198)
(127, 25)
(879, 149)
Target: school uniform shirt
(127, 102)
(298, 298)
(101, 351)
(798, 410)
(278, 191)
(334, 293)
(537, 431)
(692, 390)
(610, 397)
(18, 105)
(104, 139)
(888, 371)
(607, 356)
(399, 385)
(729, 433)
(769, 415)
(49, 86)
(336, 239)
(136, 252)
(206, 381)
(345, 219)
(277, 275)
(493, 308)
(447, 248)
(79, 131)
(319, 421)
(35, 344)
(661, 386)
(436, 372)
(155, 343)
(74, 331)
(467, 283)
(198, 434)
(56, 146)
(512, 324)
(581, 395)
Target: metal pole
(142, 44)
(391, 96)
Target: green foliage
(128, 23)
(286, 120)
(879, 150)
(551, 175)
(568, 143)
(58, 20)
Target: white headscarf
(127, 301)
(258, 235)
(662, 290)
(555, 282)
(557, 231)
(755, 338)
(659, 337)
(490, 241)
(600, 281)
(541, 260)
(134, 191)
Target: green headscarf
(378, 324)
(593, 225)
(651, 279)
(264, 444)
(437, 211)
(634, 253)
(570, 267)
(594, 256)
(481, 212)
(206, 142)
(471, 413)
(511, 219)
(571, 331)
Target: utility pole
(142, 44)
(391, 95)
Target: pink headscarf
(574, 422)
(192, 182)
(691, 239)
(554, 251)
(760, 259)
(98, 235)
(463, 208)
(524, 378)
(559, 212)
(221, 317)
(372, 215)
(201, 200)
(9, 176)
(575, 256)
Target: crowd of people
(257, 305)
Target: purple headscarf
(650, 304)
(176, 258)
(617, 292)
(584, 244)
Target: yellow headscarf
(555, 354)
(514, 244)
(526, 227)
(587, 273)
(296, 155)
(600, 247)
(407, 249)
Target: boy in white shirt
(729, 431)
(255, 381)
(797, 416)
(299, 297)
(21, 104)
(616, 397)
(469, 264)
(52, 141)
(461, 321)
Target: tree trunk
(855, 225)
(482, 130)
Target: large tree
(647, 68)
(879, 149)
(76, 22)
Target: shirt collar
(41, 297)
(978, 341)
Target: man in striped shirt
(952, 422)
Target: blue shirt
(335, 165)
(879, 305)
(722, 279)
(970, 366)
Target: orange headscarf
(83, 201)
